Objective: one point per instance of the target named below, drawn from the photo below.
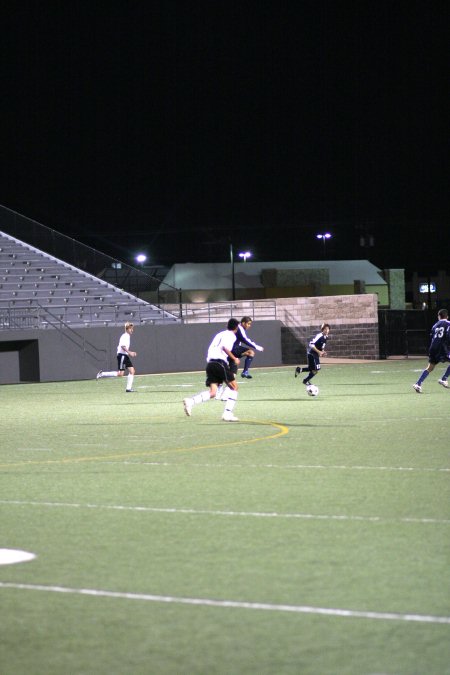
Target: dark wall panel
(19, 360)
(79, 355)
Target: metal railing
(261, 310)
(15, 316)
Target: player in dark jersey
(316, 349)
(244, 347)
(439, 351)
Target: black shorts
(123, 361)
(239, 351)
(438, 355)
(313, 362)
(218, 372)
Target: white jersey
(125, 341)
(226, 339)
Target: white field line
(286, 466)
(232, 604)
(241, 514)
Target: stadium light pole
(140, 258)
(244, 256)
(324, 238)
(233, 286)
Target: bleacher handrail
(83, 257)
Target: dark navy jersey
(440, 333)
(318, 342)
(440, 341)
(241, 338)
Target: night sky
(179, 127)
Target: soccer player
(316, 349)
(439, 351)
(218, 372)
(123, 359)
(243, 346)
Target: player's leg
(130, 378)
(313, 368)
(232, 395)
(444, 378)
(215, 375)
(305, 369)
(249, 356)
(114, 373)
(418, 385)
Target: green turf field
(312, 537)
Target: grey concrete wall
(79, 355)
(9, 365)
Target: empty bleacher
(38, 290)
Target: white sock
(231, 400)
(226, 393)
(130, 381)
(109, 373)
(219, 391)
(201, 398)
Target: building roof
(212, 276)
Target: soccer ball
(312, 390)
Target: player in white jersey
(123, 359)
(218, 372)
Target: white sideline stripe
(287, 466)
(248, 514)
(234, 604)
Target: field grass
(312, 537)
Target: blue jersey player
(244, 347)
(439, 351)
(316, 349)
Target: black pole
(233, 287)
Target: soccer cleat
(306, 381)
(130, 391)
(417, 388)
(229, 417)
(298, 370)
(444, 383)
(245, 374)
(99, 374)
(188, 404)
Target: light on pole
(245, 255)
(324, 238)
(141, 258)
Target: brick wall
(353, 320)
